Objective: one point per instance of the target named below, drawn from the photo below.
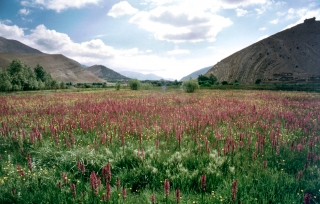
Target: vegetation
(19, 76)
(190, 85)
(138, 147)
(134, 84)
(204, 80)
(258, 81)
(118, 85)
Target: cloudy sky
(170, 38)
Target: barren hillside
(59, 66)
(106, 73)
(290, 56)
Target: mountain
(60, 67)
(13, 46)
(140, 76)
(290, 56)
(194, 75)
(106, 73)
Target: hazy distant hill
(60, 67)
(13, 46)
(106, 73)
(140, 76)
(195, 74)
(290, 56)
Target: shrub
(190, 85)
(134, 84)
(146, 86)
(118, 85)
(224, 83)
(258, 81)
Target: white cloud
(58, 5)
(263, 37)
(6, 21)
(122, 8)
(149, 51)
(181, 24)
(263, 29)
(302, 14)
(275, 21)
(241, 12)
(11, 32)
(178, 52)
(24, 11)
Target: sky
(170, 38)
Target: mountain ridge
(289, 56)
(106, 73)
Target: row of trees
(20, 77)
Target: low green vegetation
(20, 77)
(190, 85)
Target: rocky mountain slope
(290, 56)
(106, 73)
(194, 75)
(13, 46)
(60, 67)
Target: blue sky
(170, 38)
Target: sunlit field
(211, 146)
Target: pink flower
(166, 187)
(118, 183)
(106, 173)
(178, 195)
(108, 191)
(203, 182)
(73, 189)
(153, 199)
(234, 190)
(29, 162)
(95, 182)
(124, 193)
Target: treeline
(20, 77)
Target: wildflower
(166, 187)
(307, 198)
(153, 199)
(299, 175)
(64, 178)
(106, 173)
(203, 182)
(108, 191)
(20, 171)
(94, 182)
(264, 164)
(73, 189)
(124, 193)
(177, 195)
(29, 162)
(81, 167)
(118, 183)
(234, 190)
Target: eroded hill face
(13, 46)
(106, 73)
(59, 66)
(290, 56)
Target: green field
(211, 146)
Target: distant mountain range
(60, 67)
(290, 56)
(106, 73)
(194, 75)
(140, 76)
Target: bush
(134, 84)
(190, 85)
(224, 83)
(118, 85)
(146, 86)
(258, 81)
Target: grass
(268, 142)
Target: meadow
(211, 146)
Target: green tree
(258, 81)
(134, 84)
(202, 79)
(5, 81)
(190, 85)
(212, 79)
